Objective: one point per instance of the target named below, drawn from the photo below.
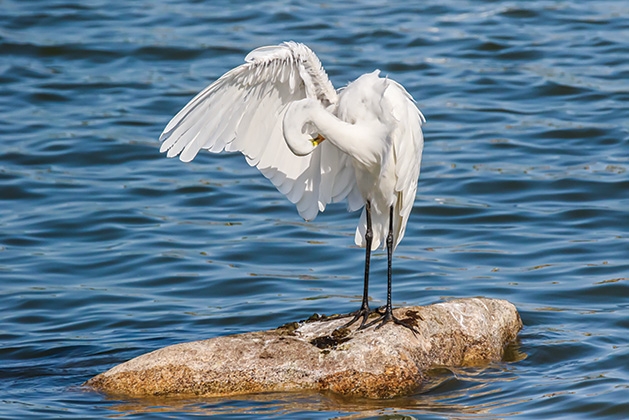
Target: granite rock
(316, 355)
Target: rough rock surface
(312, 355)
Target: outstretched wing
(408, 144)
(243, 111)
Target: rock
(312, 355)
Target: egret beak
(317, 140)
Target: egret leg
(364, 310)
(388, 310)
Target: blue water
(109, 250)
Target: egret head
(300, 133)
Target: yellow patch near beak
(317, 140)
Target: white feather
(241, 111)
(374, 144)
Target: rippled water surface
(109, 250)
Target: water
(109, 250)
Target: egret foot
(363, 313)
(389, 317)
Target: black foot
(363, 313)
(388, 317)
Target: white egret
(362, 144)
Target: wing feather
(243, 111)
(408, 144)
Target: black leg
(364, 311)
(388, 311)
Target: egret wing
(243, 111)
